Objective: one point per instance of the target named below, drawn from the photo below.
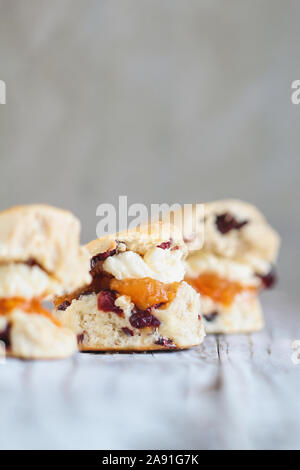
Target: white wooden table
(232, 392)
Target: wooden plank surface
(232, 392)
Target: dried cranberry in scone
(165, 342)
(5, 335)
(210, 316)
(165, 245)
(226, 222)
(268, 280)
(106, 302)
(64, 305)
(143, 319)
(127, 331)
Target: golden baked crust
(137, 349)
(256, 238)
(139, 239)
(48, 236)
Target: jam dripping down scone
(138, 299)
(40, 256)
(234, 261)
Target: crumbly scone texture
(34, 336)
(139, 239)
(243, 316)
(50, 237)
(255, 239)
(180, 324)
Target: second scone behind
(232, 252)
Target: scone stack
(40, 256)
(235, 262)
(138, 299)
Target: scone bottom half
(229, 298)
(35, 334)
(137, 300)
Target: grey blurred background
(160, 100)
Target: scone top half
(40, 253)
(229, 228)
(138, 299)
(238, 250)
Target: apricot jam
(145, 292)
(219, 289)
(33, 306)
(100, 282)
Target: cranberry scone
(236, 261)
(40, 256)
(138, 299)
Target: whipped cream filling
(200, 263)
(21, 280)
(162, 265)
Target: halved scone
(40, 256)
(138, 300)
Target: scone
(40, 256)
(236, 261)
(138, 300)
